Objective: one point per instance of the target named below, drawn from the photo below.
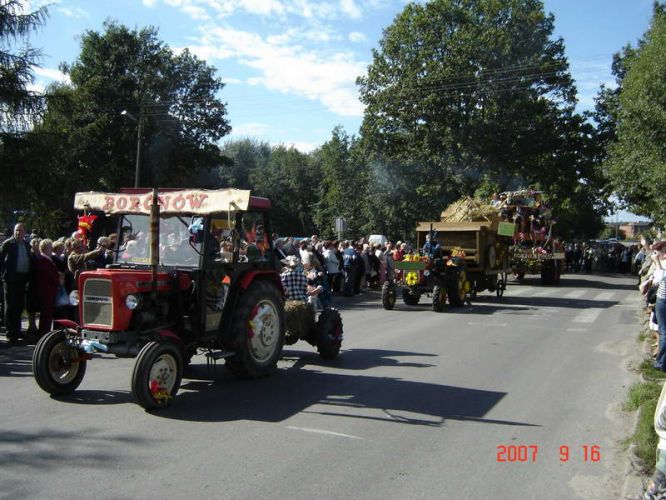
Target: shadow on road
(291, 391)
(93, 397)
(47, 449)
(357, 359)
(581, 281)
(528, 305)
(16, 360)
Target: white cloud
(357, 37)
(52, 74)
(275, 9)
(303, 146)
(196, 13)
(250, 129)
(76, 13)
(589, 75)
(290, 69)
(350, 8)
(231, 81)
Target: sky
(290, 66)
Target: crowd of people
(38, 274)
(598, 256)
(652, 286)
(345, 267)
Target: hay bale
(300, 320)
(469, 210)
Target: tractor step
(215, 355)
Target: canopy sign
(190, 201)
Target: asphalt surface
(418, 405)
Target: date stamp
(529, 453)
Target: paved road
(415, 407)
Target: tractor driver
(293, 280)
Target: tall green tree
(175, 95)
(18, 105)
(636, 163)
(85, 142)
(343, 187)
(463, 92)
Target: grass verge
(644, 395)
(651, 373)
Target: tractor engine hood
(102, 295)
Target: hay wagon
(484, 249)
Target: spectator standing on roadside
(2, 289)
(659, 280)
(577, 256)
(332, 266)
(47, 282)
(32, 301)
(15, 271)
(657, 486)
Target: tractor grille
(97, 302)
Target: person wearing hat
(293, 280)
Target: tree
(343, 184)
(636, 163)
(84, 143)
(464, 91)
(17, 103)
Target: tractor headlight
(132, 302)
(74, 297)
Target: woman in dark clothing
(47, 284)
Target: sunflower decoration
(412, 278)
(457, 257)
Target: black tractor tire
(501, 286)
(410, 298)
(438, 298)
(157, 373)
(455, 288)
(328, 333)
(549, 274)
(388, 295)
(52, 364)
(256, 353)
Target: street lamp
(139, 135)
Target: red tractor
(193, 269)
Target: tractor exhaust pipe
(154, 239)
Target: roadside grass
(644, 395)
(651, 373)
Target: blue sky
(291, 65)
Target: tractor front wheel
(157, 374)
(409, 297)
(257, 333)
(328, 333)
(388, 295)
(58, 366)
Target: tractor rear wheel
(58, 367)
(257, 334)
(438, 298)
(328, 333)
(456, 288)
(157, 374)
(388, 295)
